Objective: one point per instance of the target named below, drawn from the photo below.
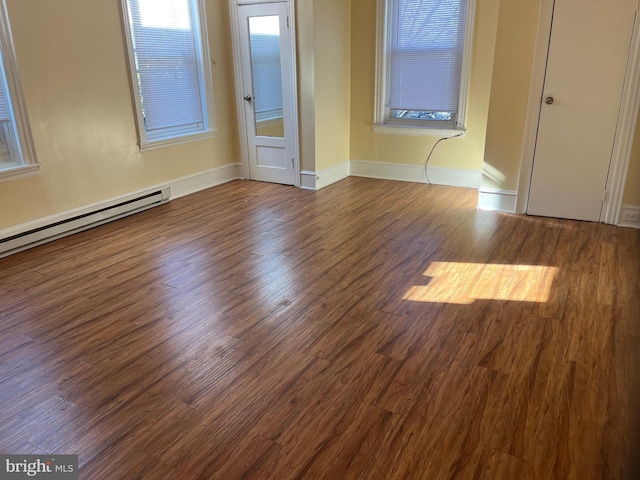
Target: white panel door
(268, 72)
(586, 64)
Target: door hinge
(605, 196)
(293, 165)
(287, 21)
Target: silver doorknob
(548, 100)
(248, 98)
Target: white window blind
(425, 54)
(165, 42)
(267, 80)
(4, 102)
(5, 116)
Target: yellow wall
(71, 56)
(461, 153)
(324, 69)
(306, 84)
(513, 63)
(632, 190)
(332, 40)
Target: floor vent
(97, 216)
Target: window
(170, 70)
(17, 152)
(264, 43)
(423, 66)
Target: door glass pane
(264, 33)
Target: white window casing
(423, 62)
(17, 151)
(170, 71)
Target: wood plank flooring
(371, 330)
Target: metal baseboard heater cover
(98, 216)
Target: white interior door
(268, 76)
(586, 66)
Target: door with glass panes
(268, 91)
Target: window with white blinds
(267, 81)
(4, 101)
(9, 157)
(170, 69)
(424, 47)
(17, 151)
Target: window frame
(383, 122)
(19, 137)
(178, 135)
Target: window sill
(18, 171)
(388, 129)
(169, 142)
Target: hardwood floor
(371, 330)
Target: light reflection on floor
(463, 283)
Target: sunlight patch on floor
(463, 283)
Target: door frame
(625, 131)
(239, 88)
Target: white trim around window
(19, 157)
(383, 121)
(179, 111)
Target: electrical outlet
(632, 217)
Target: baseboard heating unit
(58, 227)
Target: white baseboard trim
(452, 177)
(203, 180)
(179, 188)
(332, 174)
(308, 180)
(317, 180)
(629, 216)
(500, 200)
